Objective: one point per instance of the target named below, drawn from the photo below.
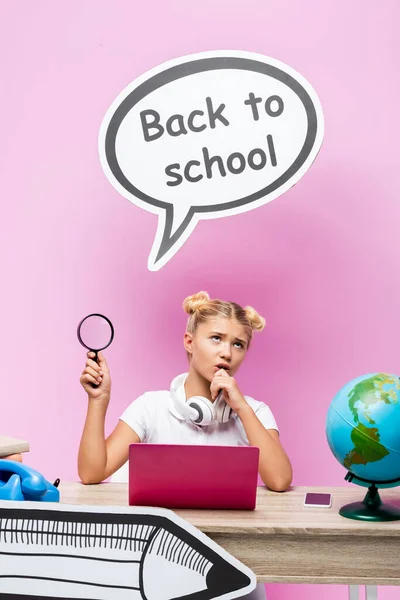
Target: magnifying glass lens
(95, 332)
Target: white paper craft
(113, 553)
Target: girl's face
(218, 343)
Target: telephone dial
(20, 482)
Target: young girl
(216, 341)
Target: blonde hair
(200, 308)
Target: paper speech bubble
(209, 135)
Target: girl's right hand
(99, 375)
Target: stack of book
(10, 445)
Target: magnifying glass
(95, 332)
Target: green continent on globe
(366, 447)
(366, 440)
(371, 391)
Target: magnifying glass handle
(96, 359)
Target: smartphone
(318, 500)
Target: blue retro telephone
(19, 482)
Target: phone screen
(317, 499)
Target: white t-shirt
(162, 418)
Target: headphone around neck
(203, 412)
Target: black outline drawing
(33, 541)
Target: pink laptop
(178, 476)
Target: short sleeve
(264, 414)
(136, 415)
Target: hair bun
(193, 303)
(256, 321)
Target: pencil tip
(223, 578)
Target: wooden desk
(284, 542)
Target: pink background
(321, 263)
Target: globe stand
(371, 508)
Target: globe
(363, 432)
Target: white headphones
(205, 412)
(200, 410)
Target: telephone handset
(20, 482)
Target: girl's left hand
(232, 395)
